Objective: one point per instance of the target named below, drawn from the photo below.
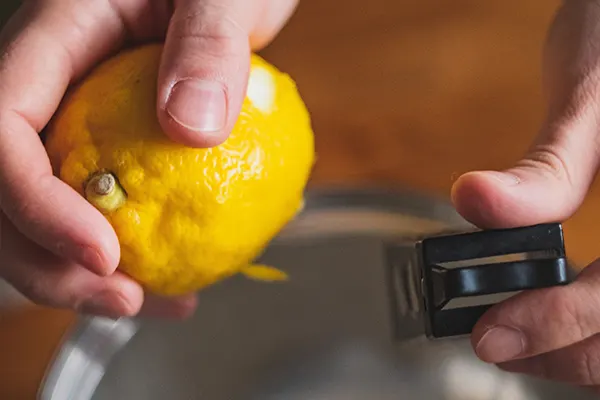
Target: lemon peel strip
(264, 273)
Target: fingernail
(500, 344)
(198, 105)
(504, 177)
(108, 304)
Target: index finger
(43, 49)
(540, 321)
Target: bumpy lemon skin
(192, 216)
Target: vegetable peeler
(444, 280)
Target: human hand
(550, 333)
(56, 248)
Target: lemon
(185, 217)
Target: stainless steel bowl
(325, 335)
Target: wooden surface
(402, 93)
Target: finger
(181, 307)
(578, 364)
(205, 64)
(48, 280)
(551, 181)
(537, 322)
(38, 64)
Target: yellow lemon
(185, 217)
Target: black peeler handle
(537, 261)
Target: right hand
(56, 248)
(551, 333)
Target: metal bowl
(324, 335)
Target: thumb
(547, 185)
(551, 181)
(204, 70)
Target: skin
(550, 333)
(59, 251)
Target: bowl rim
(90, 333)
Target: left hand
(56, 249)
(550, 333)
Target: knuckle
(215, 33)
(566, 314)
(24, 211)
(15, 203)
(23, 204)
(549, 158)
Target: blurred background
(402, 94)
(413, 94)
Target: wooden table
(402, 93)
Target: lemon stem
(104, 192)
